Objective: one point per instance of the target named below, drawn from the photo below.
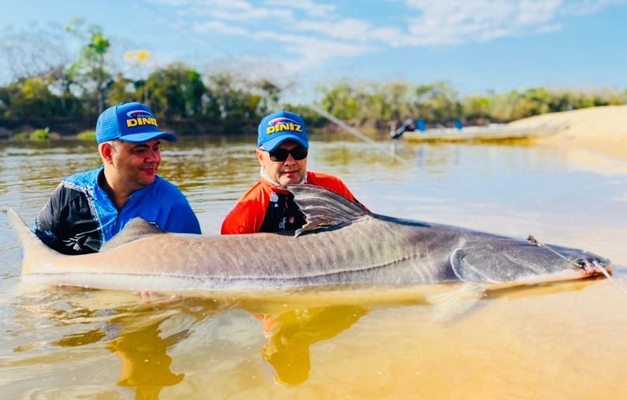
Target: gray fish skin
(340, 244)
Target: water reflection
(145, 364)
(142, 351)
(547, 337)
(141, 336)
(292, 333)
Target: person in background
(282, 149)
(406, 126)
(89, 208)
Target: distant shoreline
(600, 131)
(64, 128)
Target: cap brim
(276, 142)
(148, 136)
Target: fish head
(585, 262)
(509, 260)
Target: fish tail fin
(32, 245)
(324, 208)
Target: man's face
(288, 172)
(135, 164)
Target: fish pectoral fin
(137, 228)
(465, 270)
(455, 302)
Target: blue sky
(476, 45)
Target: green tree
(92, 70)
(507, 106)
(398, 100)
(5, 102)
(176, 91)
(231, 98)
(437, 102)
(122, 89)
(30, 98)
(269, 96)
(476, 108)
(339, 99)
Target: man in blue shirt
(89, 208)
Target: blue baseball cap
(129, 122)
(276, 128)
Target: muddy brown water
(551, 341)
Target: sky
(477, 46)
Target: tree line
(439, 102)
(79, 89)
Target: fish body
(341, 244)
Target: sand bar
(600, 131)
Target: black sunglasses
(298, 153)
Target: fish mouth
(593, 266)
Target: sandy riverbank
(599, 132)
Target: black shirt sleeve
(67, 223)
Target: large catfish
(341, 244)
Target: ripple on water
(536, 342)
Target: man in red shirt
(282, 148)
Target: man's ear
(260, 156)
(106, 152)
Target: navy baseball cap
(129, 122)
(276, 128)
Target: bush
(40, 134)
(19, 136)
(87, 135)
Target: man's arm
(183, 220)
(248, 213)
(239, 221)
(167, 206)
(47, 224)
(66, 224)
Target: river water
(553, 341)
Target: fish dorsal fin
(324, 208)
(136, 229)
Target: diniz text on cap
(283, 124)
(140, 117)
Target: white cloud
(253, 13)
(220, 28)
(584, 7)
(237, 10)
(313, 51)
(347, 29)
(318, 31)
(310, 8)
(459, 21)
(548, 28)
(171, 2)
